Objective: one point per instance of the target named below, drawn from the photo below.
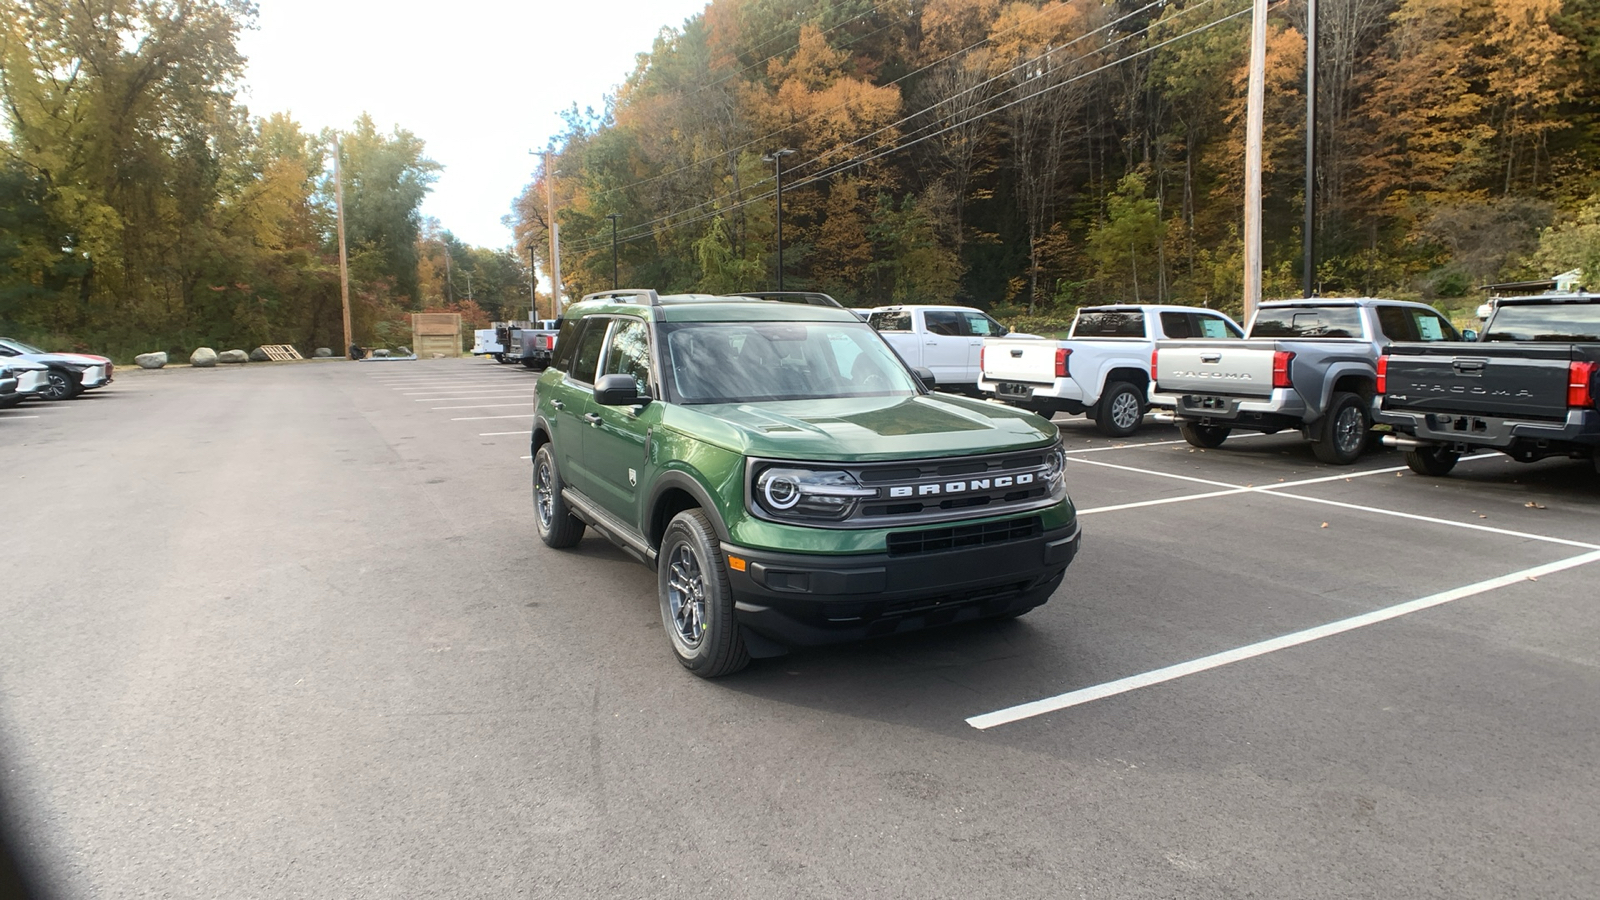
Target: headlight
(789, 493)
(1055, 464)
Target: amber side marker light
(736, 563)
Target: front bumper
(1581, 429)
(33, 381)
(808, 599)
(1284, 408)
(96, 376)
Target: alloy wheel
(686, 595)
(1125, 410)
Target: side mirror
(1469, 335)
(618, 390)
(925, 376)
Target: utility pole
(555, 235)
(1252, 159)
(533, 288)
(614, 217)
(344, 263)
(776, 158)
(1309, 233)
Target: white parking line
(1261, 648)
(1276, 490)
(457, 388)
(485, 405)
(1236, 437)
(477, 418)
(484, 396)
(501, 434)
(4, 416)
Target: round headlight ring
(781, 491)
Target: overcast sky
(481, 81)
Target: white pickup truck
(945, 340)
(1102, 369)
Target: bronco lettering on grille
(961, 487)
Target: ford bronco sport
(791, 481)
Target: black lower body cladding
(805, 599)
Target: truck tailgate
(1521, 379)
(1237, 368)
(1020, 359)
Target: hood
(21, 364)
(71, 359)
(865, 429)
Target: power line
(780, 131)
(648, 228)
(645, 227)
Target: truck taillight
(1383, 374)
(1280, 368)
(981, 352)
(1154, 355)
(1062, 353)
(1580, 384)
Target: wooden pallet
(280, 352)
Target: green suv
(789, 479)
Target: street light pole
(1254, 122)
(776, 158)
(555, 235)
(614, 217)
(1310, 231)
(344, 263)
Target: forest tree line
(142, 206)
(1030, 157)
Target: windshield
(717, 362)
(1308, 322)
(19, 346)
(1552, 322)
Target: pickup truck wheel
(1345, 430)
(1206, 437)
(1435, 461)
(697, 600)
(557, 526)
(1120, 411)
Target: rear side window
(564, 346)
(1176, 325)
(1308, 322)
(943, 322)
(1109, 323)
(890, 320)
(1396, 325)
(590, 342)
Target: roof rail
(626, 295)
(811, 298)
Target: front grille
(935, 540)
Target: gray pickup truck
(1529, 387)
(1310, 365)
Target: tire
(1206, 437)
(1120, 411)
(1434, 461)
(1345, 430)
(9, 400)
(697, 600)
(556, 525)
(61, 386)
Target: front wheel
(61, 386)
(1120, 411)
(557, 526)
(1344, 431)
(1434, 461)
(697, 599)
(1206, 437)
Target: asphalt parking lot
(286, 631)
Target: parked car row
(27, 371)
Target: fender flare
(686, 481)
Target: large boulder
(380, 353)
(151, 360)
(259, 355)
(323, 353)
(203, 358)
(233, 356)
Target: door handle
(558, 404)
(933, 343)
(592, 418)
